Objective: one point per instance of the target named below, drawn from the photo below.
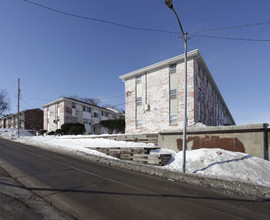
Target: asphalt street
(89, 190)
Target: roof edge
(190, 54)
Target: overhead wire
(193, 33)
(23, 100)
(230, 27)
(100, 20)
(135, 53)
(231, 38)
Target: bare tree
(91, 101)
(4, 101)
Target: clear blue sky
(57, 55)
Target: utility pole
(18, 114)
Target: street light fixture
(169, 3)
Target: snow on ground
(216, 162)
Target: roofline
(26, 110)
(52, 102)
(78, 101)
(191, 54)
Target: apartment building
(154, 96)
(31, 119)
(69, 110)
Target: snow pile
(224, 164)
(13, 133)
(217, 163)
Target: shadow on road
(130, 194)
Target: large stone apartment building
(154, 96)
(31, 119)
(69, 110)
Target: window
(173, 119)
(86, 109)
(172, 68)
(105, 114)
(139, 108)
(95, 114)
(138, 123)
(73, 105)
(139, 79)
(139, 101)
(173, 94)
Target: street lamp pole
(169, 3)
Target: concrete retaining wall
(253, 139)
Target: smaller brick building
(31, 119)
(69, 110)
(154, 96)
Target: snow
(216, 162)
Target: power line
(47, 100)
(135, 53)
(231, 27)
(194, 33)
(104, 98)
(118, 105)
(100, 20)
(26, 103)
(146, 29)
(232, 38)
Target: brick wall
(210, 108)
(204, 101)
(33, 119)
(155, 93)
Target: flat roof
(191, 54)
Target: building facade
(31, 119)
(154, 96)
(69, 110)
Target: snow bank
(224, 164)
(216, 162)
(13, 133)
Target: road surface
(88, 190)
